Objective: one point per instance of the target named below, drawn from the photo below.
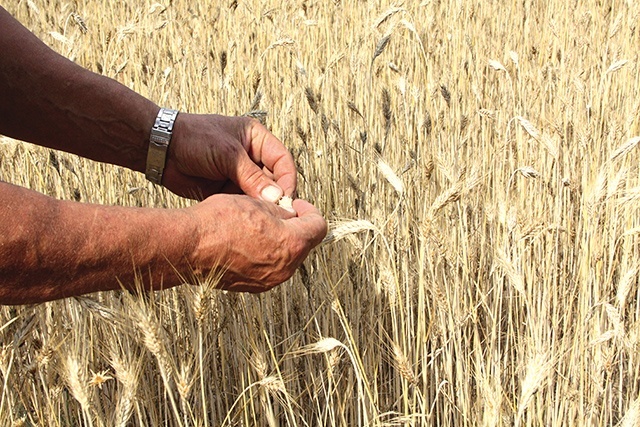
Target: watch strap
(159, 144)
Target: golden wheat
(478, 166)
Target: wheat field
(477, 164)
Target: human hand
(257, 245)
(212, 154)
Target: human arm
(51, 101)
(52, 249)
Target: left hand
(212, 154)
(255, 245)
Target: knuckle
(251, 122)
(299, 248)
(251, 126)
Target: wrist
(209, 239)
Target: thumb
(254, 182)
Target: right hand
(256, 244)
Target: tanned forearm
(50, 101)
(52, 249)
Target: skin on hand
(212, 154)
(256, 244)
(229, 162)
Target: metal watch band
(159, 143)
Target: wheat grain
(127, 374)
(538, 369)
(80, 22)
(511, 272)
(387, 284)
(490, 114)
(403, 365)
(386, 109)
(496, 65)
(624, 286)
(78, 385)
(514, 58)
(61, 38)
(528, 172)
(616, 66)
(536, 134)
(255, 104)
(450, 195)
(613, 314)
(97, 308)
(384, 16)
(602, 338)
(529, 127)
(393, 67)
(280, 42)
(446, 95)
(311, 99)
(355, 109)
(32, 6)
(632, 416)
(338, 230)
(391, 177)
(625, 148)
(324, 345)
(380, 46)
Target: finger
(268, 173)
(253, 181)
(270, 151)
(286, 180)
(309, 221)
(305, 208)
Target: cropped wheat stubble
(478, 162)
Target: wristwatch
(159, 143)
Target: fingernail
(271, 194)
